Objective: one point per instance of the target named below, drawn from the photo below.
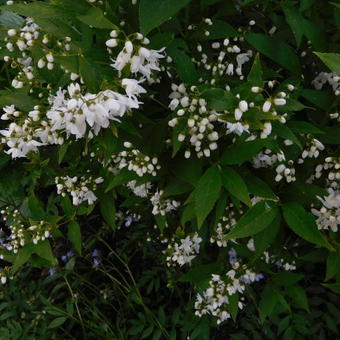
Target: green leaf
(319, 98)
(19, 97)
(201, 273)
(234, 183)
(218, 30)
(286, 279)
(57, 322)
(264, 238)
(286, 133)
(10, 19)
(258, 187)
(233, 305)
(304, 127)
(219, 99)
(276, 50)
(152, 13)
(74, 235)
(44, 250)
(256, 75)
(303, 224)
(333, 265)
(257, 218)
(332, 60)
(206, 193)
(269, 299)
(23, 256)
(95, 18)
(183, 64)
(35, 10)
(122, 177)
(108, 209)
(294, 18)
(335, 287)
(242, 152)
(299, 297)
(35, 208)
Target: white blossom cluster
(81, 188)
(224, 225)
(193, 124)
(20, 231)
(184, 251)
(140, 190)
(312, 149)
(227, 60)
(215, 299)
(267, 158)
(136, 161)
(134, 57)
(335, 116)
(328, 217)
(285, 171)
(279, 263)
(71, 113)
(162, 205)
(331, 168)
(331, 78)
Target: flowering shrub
(170, 169)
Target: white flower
(132, 88)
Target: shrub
(169, 169)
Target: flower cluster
(328, 217)
(135, 161)
(215, 299)
(193, 122)
(135, 57)
(184, 251)
(80, 188)
(162, 205)
(331, 78)
(331, 166)
(21, 231)
(141, 190)
(225, 224)
(278, 262)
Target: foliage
(169, 169)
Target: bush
(169, 169)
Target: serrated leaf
(333, 265)
(264, 238)
(234, 183)
(152, 13)
(299, 297)
(335, 287)
(242, 152)
(303, 224)
(269, 299)
(256, 75)
(219, 99)
(294, 18)
(276, 50)
(57, 322)
(95, 17)
(206, 193)
(74, 235)
(332, 60)
(10, 19)
(304, 127)
(257, 218)
(184, 66)
(108, 209)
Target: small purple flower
(232, 256)
(245, 280)
(259, 277)
(96, 262)
(52, 271)
(95, 253)
(69, 253)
